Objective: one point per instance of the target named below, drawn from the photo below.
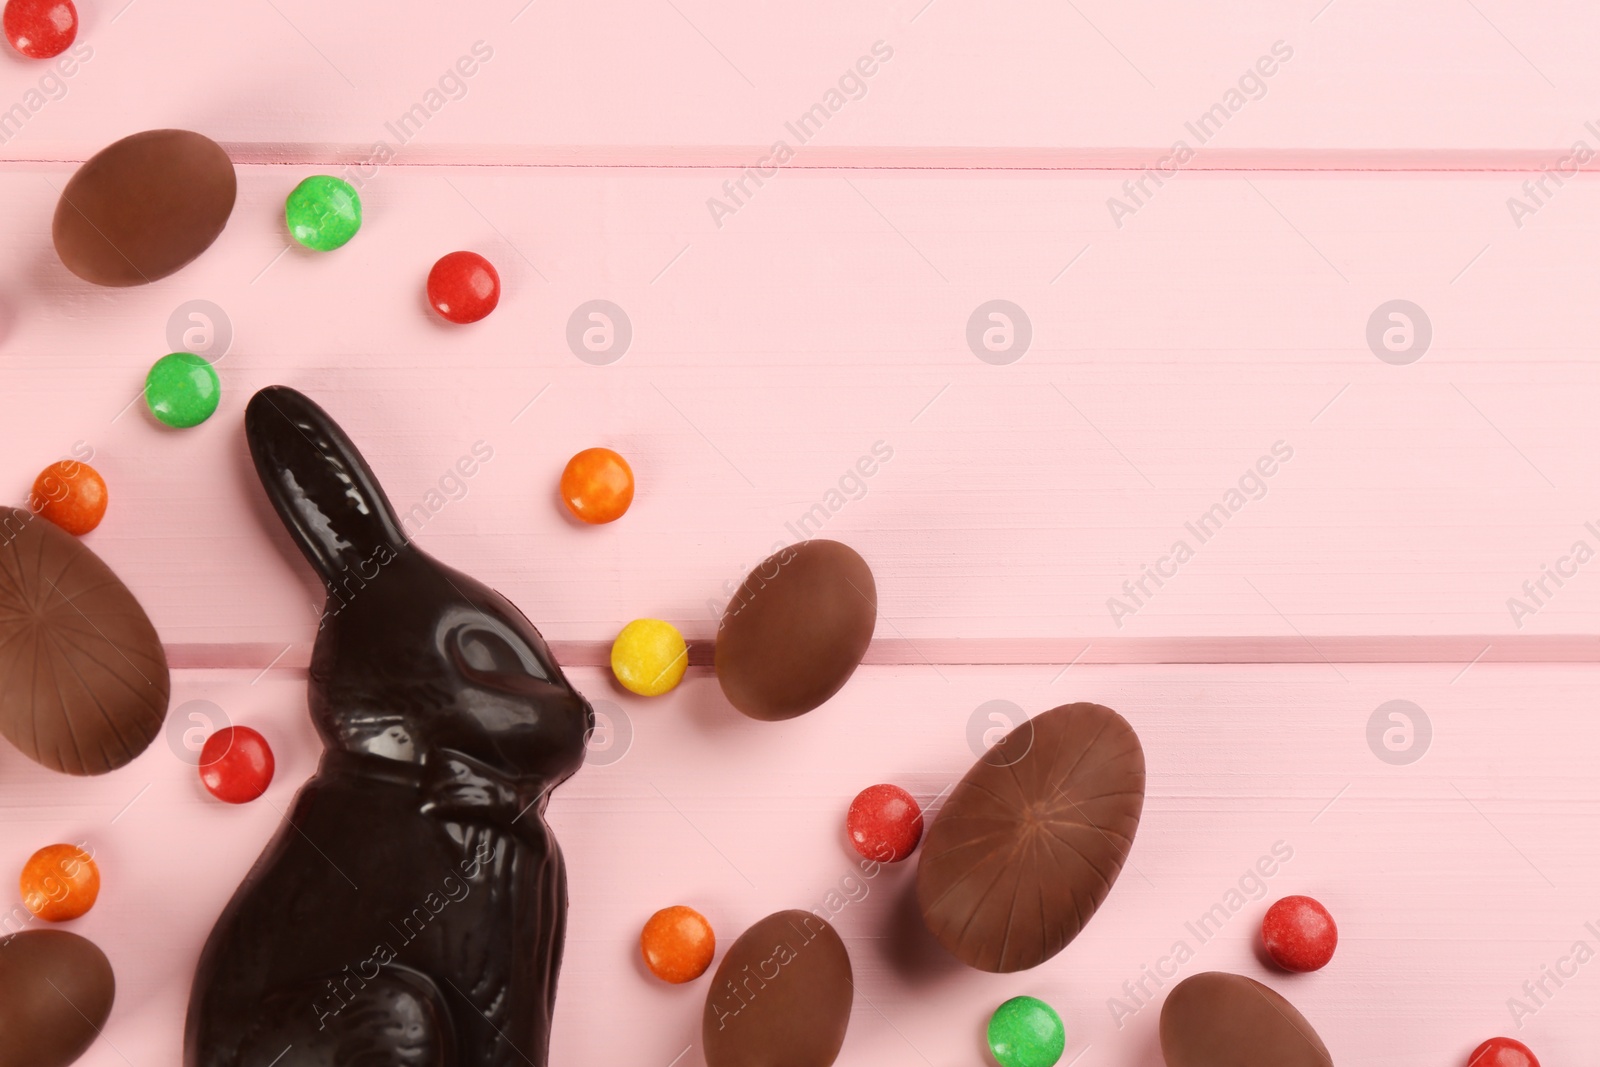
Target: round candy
(70, 494)
(597, 485)
(236, 764)
(1299, 934)
(182, 389)
(60, 882)
(463, 287)
(1502, 1052)
(649, 657)
(323, 212)
(1026, 1032)
(678, 944)
(40, 29)
(885, 823)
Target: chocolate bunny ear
(321, 487)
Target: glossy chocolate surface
(412, 908)
(1029, 843)
(1227, 1020)
(83, 677)
(796, 630)
(56, 990)
(781, 997)
(143, 207)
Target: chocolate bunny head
(412, 659)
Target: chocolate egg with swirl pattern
(83, 677)
(1030, 842)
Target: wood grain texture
(1453, 879)
(828, 318)
(1092, 74)
(786, 325)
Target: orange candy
(597, 485)
(60, 882)
(70, 494)
(677, 944)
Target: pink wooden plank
(1358, 75)
(1454, 878)
(829, 315)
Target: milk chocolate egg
(781, 997)
(56, 990)
(143, 207)
(1228, 1020)
(83, 677)
(1029, 843)
(796, 630)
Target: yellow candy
(649, 657)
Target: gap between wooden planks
(1460, 649)
(909, 157)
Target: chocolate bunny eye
(485, 650)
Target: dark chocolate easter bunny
(410, 911)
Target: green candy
(323, 212)
(182, 389)
(1026, 1032)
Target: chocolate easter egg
(83, 677)
(56, 990)
(1029, 843)
(1228, 1020)
(781, 997)
(144, 207)
(796, 630)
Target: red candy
(885, 823)
(1502, 1052)
(463, 287)
(1299, 934)
(236, 764)
(40, 29)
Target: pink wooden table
(1185, 319)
